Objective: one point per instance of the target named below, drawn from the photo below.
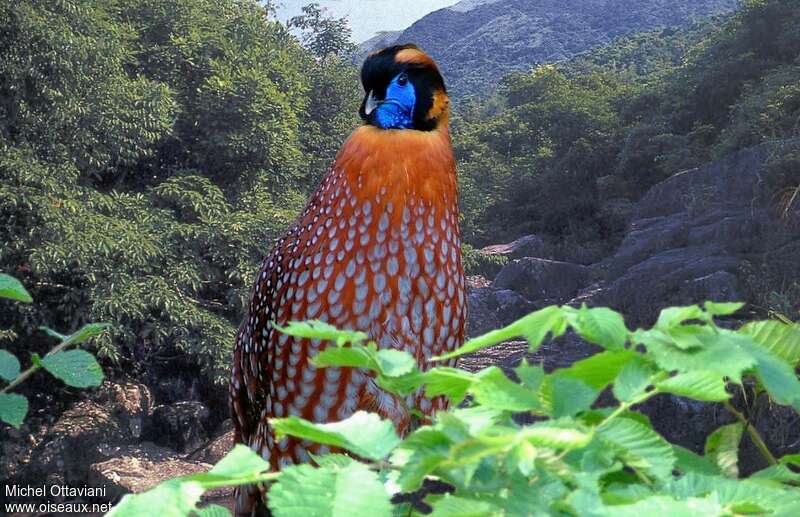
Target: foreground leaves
(573, 458)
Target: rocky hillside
(478, 42)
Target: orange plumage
(376, 249)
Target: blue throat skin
(396, 111)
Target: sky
(368, 16)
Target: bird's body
(377, 249)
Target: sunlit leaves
(698, 385)
(639, 446)
(573, 457)
(601, 326)
(328, 492)
(780, 338)
(363, 433)
(722, 448)
(173, 498)
(533, 327)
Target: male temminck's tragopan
(376, 249)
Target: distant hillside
(477, 42)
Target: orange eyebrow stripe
(415, 56)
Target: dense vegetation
(596, 132)
(150, 151)
(580, 457)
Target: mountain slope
(477, 42)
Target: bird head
(404, 90)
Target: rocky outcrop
(690, 236)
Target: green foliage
(577, 459)
(76, 368)
(596, 132)
(477, 263)
(150, 153)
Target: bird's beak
(371, 104)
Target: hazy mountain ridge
(478, 42)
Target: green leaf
(213, 510)
(601, 326)
(534, 327)
(477, 419)
(530, 376)
(351, 356)
(77, 368)
(556, 434)
(454, 506)
(722, 448)
(599, 370)
(13, 408)
(403, 385)
(315, 329)
(12, 289)
(303, 491)
(85, 333)
(633, 380)
(659, 505)
(566, 396)
(780, 473)
(394, 363)
(676, 316)
(365, 434)
(779, 338)
(450, 382)
(9, 366)
(494, 390)
(698, 385)
(687, 461)
(241, 461)
(724, 353)
(332, 460)
(723, 308)
(173, 498)
(777, 377)
(639, 446)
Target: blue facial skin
(396, 112)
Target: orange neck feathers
(401, 166)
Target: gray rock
(540, 279)
(489, 308)
(527, 246)
(720, 286)
(181, 425)
(661, 281)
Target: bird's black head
(404, 90)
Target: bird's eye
(402, 79)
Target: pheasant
(376, 249)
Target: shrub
(577, 459)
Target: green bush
(477, 263)
(576, 459)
